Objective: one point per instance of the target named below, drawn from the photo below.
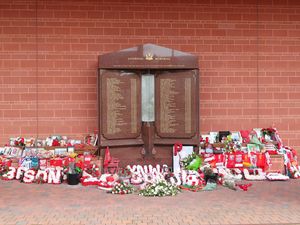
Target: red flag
(107, 157)
(177, 148)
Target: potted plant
(74, 174)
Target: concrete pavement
(264, 203)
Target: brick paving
(265, 202)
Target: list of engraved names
(175, 106)
(168, 95)
(115, 106)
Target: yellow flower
(73, 155)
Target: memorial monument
(148, 101)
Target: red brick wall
(243, 85)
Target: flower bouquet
(162, 188)
(122, 188)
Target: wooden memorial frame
(176, 98)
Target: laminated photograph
(177, 156)
(213, 137)
(236, 136)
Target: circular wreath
(192, 162)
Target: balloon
(195, 164)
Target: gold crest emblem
(149, 56)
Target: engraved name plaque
(121, 96)
(176, 104)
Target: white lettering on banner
(42, 173)
(29, 176)
(20, 171)
(10, 174)
(148, 173)
(50, 175)
(54, 175)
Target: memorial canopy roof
(148, 56)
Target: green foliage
(229, 144)
(192, 162)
